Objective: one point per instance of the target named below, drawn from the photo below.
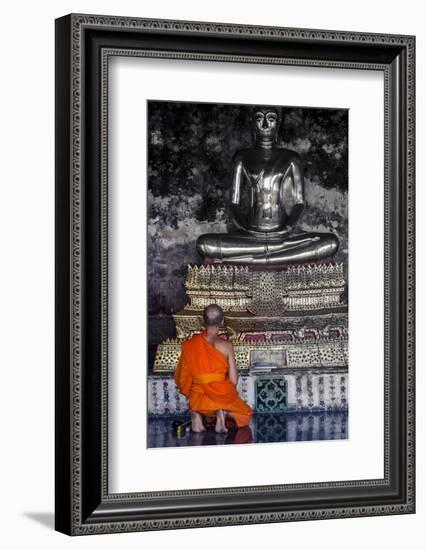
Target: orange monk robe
(201, 376)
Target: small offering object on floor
(180, 428)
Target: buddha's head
(265, 122)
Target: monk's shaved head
(213, 315)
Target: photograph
(247, 237)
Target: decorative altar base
(266, 393)
(289, 329)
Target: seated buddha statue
(267, 200)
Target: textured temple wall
(189, 178)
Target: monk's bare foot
(197, 422)
(220, 427)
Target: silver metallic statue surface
(267, 201)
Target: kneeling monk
(207, 375)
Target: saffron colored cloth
(202, 376)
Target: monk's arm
(232, 366)
(182, 377)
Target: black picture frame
(82, 502)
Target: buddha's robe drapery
(201, 376)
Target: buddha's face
(266, 122)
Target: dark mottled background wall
(190, 149)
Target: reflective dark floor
(263, 428)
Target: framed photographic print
(234, 274)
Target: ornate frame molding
(83, 504)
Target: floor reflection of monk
(207, 375)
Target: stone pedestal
(289, 328)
